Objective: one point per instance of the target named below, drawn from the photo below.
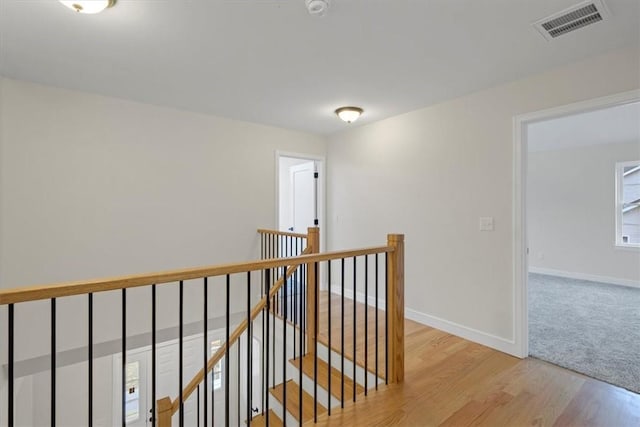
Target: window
(217, 370)
(628, 204)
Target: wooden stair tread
(293, 406)
(261, 420)
(323, 377)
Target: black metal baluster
(123, 373)
(198, 405)
(249, 351)
(238, 350)
(205, 344)
(315, 345)
(53, 362)
(329, 333)
(154, 414)
(276, 297)
(282, 254)
(301, 344)
(273, 324)
(266, 353)
(294, 281)
(297, 287)
(181, 352)
(271, 246)
(10, 367)
(263, 352)
(284, 352)
(90, 361)
(366, 323)
(354, 327)
(290, 306)
(303, 305)
(342, 334)
(386, 319)
(276, 303)
(213, 395)
(376, 321)
(283, 304)
(227, 362)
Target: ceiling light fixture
(88, 6)
(317, 7)
(349, 114)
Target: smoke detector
(571, 19)
(317, 7)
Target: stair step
(323, 377)
(261, 420)
(293, 406)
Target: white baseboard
(498, 343)
(583, 276)
(480, 337)
(348, 293)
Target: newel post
(313, 242)
(164, 411)
(395, 308)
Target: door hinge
(315, 174)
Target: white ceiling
(269, 61)
(606, 126)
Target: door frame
(520, 238)
(322, 184)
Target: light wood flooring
(450, 381)
(342, 319)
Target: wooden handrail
(34, 293)
(237, 333)
(281, 233)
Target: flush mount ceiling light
(349, 114)
(317, 7)
(88, 6)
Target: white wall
(571, 215)
(433, 172)
(92, 186)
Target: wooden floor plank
(450, 381)
(261, 421)
(323, 377)
(342, 324)
(293, 405)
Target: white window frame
(619, 204)
(215, 345)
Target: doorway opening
(577, 270)
(300, 192)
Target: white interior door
(303, 196)
(167, 374)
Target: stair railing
(307, 266)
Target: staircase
(312, 374)
(318, 349)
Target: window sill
(623, 247)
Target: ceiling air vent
(571, 19)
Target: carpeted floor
(588, 327)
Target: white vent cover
(571, 19)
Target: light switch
(486, 223)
